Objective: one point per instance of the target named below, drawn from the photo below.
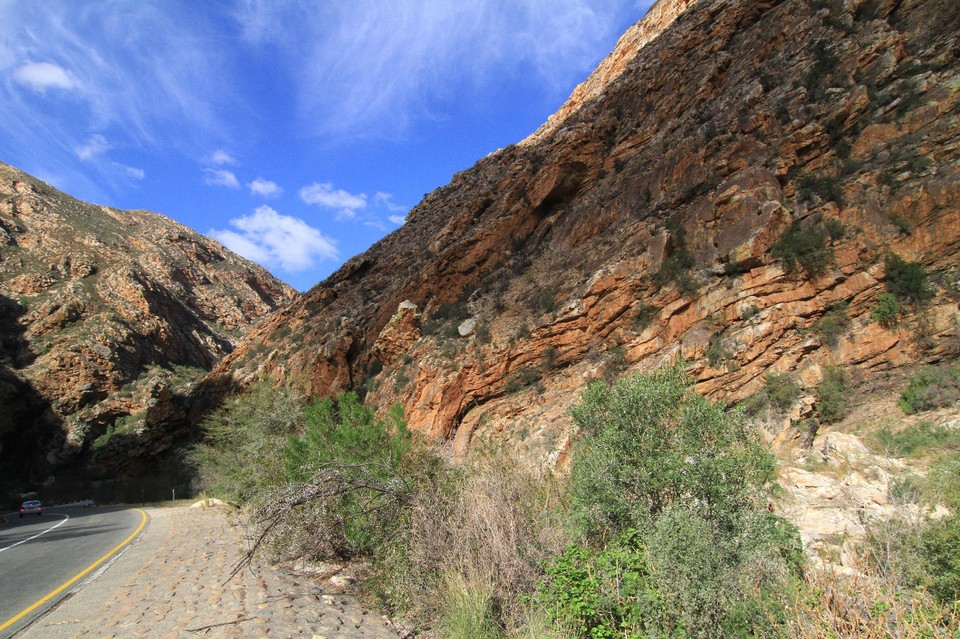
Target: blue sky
(295, 132)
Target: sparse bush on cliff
(677, 265)
(833, 324)
(887, 310)
(907, 281)
(804, 247)
(779, 392)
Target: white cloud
(132, 171)
(95, 145)
(324, 195)
(265, 188)
(220, 158)
(276, 240)
(399, 220)
(220, 177)
(40, 76)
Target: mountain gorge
(738, 184)
(106, 317)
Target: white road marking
(65, 518)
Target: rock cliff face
(657, 215)
(104, 315)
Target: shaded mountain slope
(103, 315)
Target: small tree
(347, 461)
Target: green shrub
(887, 310)
(445, 319)
(601, 593)
(804, 247)
(344, 445)
(677, 266)
(668, 488)
(918, 439)
(652, 434)
(943, 481)
(779, 392)
(834, 323)
(521, 378)
(717, 354)
(241, 457)
(903, 225)
(940, 547)
(545, 301)
(644, 315)
(832, 393)
(931, 387)
(907, 281)
(828, 188)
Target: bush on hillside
(931, 387)
(940, 547)
(667, 489)
(887, 310)
(907, 281)
(834, 323)
(832, 395)
(779, 392)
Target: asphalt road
(43, 559)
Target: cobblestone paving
(171, 584)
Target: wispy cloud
(220, 177)
(136, 69)
(399, 220)
(277, 241)
(40, 76)
(386, 200)
(265, 188)
(95, 145)
(132, 171)
(220, 158)
(372, 67)
(325, 196)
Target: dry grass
(865, 606)
(479, 538)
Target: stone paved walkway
(170, 584)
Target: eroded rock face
(638, 226)
(104, 315)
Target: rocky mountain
(742, 183)
(105, 317)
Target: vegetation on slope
(660, 530)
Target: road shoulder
(172, 581)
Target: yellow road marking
(12, 620)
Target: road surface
(42, 559)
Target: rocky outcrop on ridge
(642, 223)
(105, 316)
